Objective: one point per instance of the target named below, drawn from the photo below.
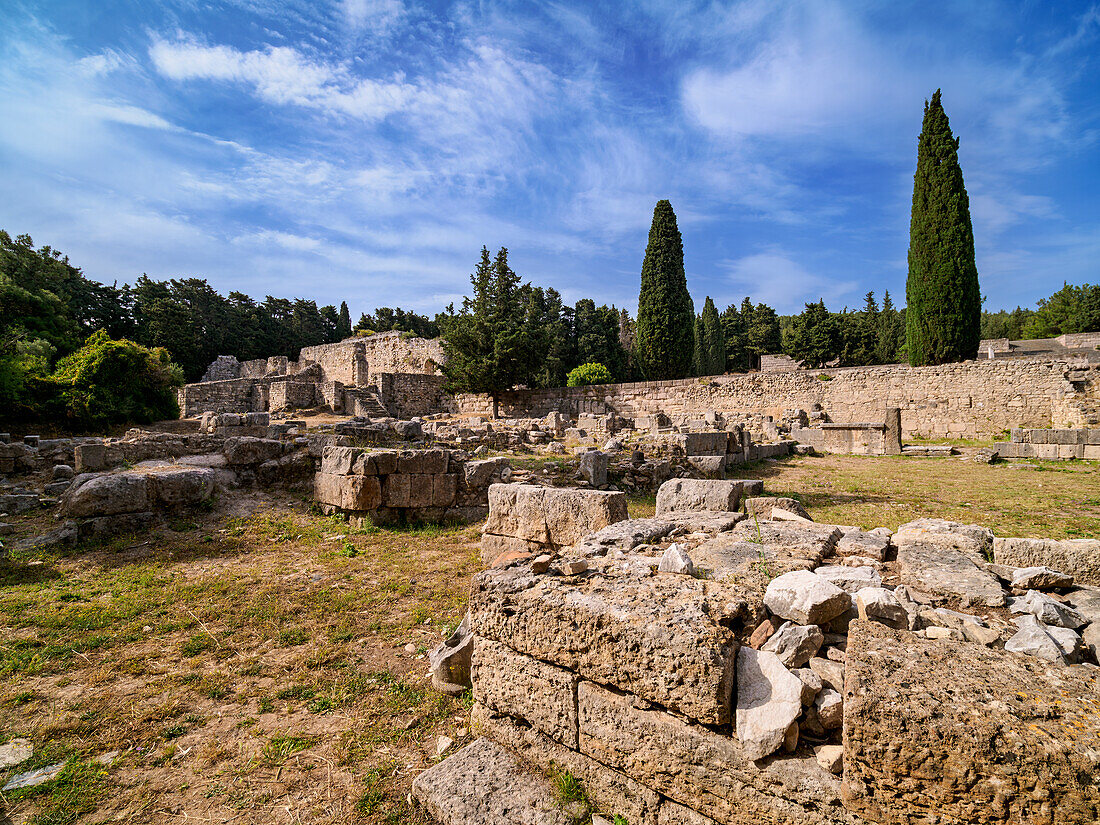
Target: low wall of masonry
(409, 485)
(703, 667)
(854, 439)
(1051, 444)
(976, 399)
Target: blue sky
(366, 149)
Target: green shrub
(587, 374)
(109, 382)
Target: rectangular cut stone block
(339, 460)
(540, 694)
(396, 490)
(1091, 451)
(444, 489)
(964, 733)
(348, 492)
(1078, 557)
(700, 768)
(384, 461)
(90, 458)
(660, 637)
(421, 490)
(703, 443)
(552, 516)
(422, 461)
(686, 494)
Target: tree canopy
(664, 332)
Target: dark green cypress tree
(943, 300)
(714, 340)
(343, 328)
(698, 350)
(665, 327)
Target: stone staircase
(364, 401)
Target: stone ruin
(712, 666)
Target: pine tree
(714, 340)
(943, 300)
(665, 325)
(343, 329)
(815, 339)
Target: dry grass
(253, 669)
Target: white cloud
(285, 240)
(784, 284)
(378, 16)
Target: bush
(109, 382)
(587, 374)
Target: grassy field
(270, 666)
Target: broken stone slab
(450, 662)
(970, 733)
(107, 495)
(485, 783)
(829, 672)
(708, 466)
(593, 468)
(700, 768)
(540, 694)
(1077, 557)
(552, 516)
(183, 487)
(348, 492)
(769, 700)
(811, 683)
(851, 579)
(660, 637)
(244, 450)
(623, 535)
(808, 540)
(687, 494)
(762, 506)
(946, 570)
(1040, 578)
(806, 598)
(607, 789)
(14, 752)
(676, 560)
(878, 604)
(829, 705)
(1086, 601)
(33, 778)
(868, 545)
(975, 542)
(1048, 610)
(795, 645)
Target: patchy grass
(1049, 499)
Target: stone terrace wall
(384, 352)
(407, 395)
(971, 399)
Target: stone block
(1091, 451)
(493, 546)
(183, 487)
(90, 458)
(706, 443)
(556, 517)
(699, 768)
(341, 461)
(1079, 558)
(687, 494)
(422, 462)
(444, 489)
(244, 450)
(421, 489)
(661, 637)
(396, 490)
(107, 495)
(607, 789)
(921, 733)
(534, 692)
(348, 492)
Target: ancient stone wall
(972, 399)
(407, 395)
(354, 360)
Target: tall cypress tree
(943, 300)
(698, 350)
(714, 340)
(343, 327)
(664, 332)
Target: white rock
(805, 598)
(811, 684)
(442, 745)
(829, 705)
(32, 778)
(1048, 610)
(936, 632)
(1040, 578)
(14, 752)
(769, 699)
(779, 514)
(795, 644)
(877, 604)
(1033, 640)
(852, 579)
(676, 560)
(830, 757)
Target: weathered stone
(14, 752)
(708, 466)
(851, 579)
(859, 543)
(526, 689)
(244, 450)
(830, 757)
(804, 597)
(1090, 637)
(1047, 610)
(967, 734)
(478, 474)
(183, 487)
(763, 632)
(16, 503)
(660, 637)
(343, 460)
(607, 789)
(422, 462)
(485, 783)
(450, 663)
(593, 468)
(32, 778)
(1040, 578)
(829, 705)
(624, 535)
(1077, 557)
(676, 560)
(943, 569)
(975, 542)
(90, 458)
(807, 540)
(100, 527)
(61, 472)
(881, 605)
(831, 673)
(685, 494)
(107, 495)
(555, 517)
(672, 813)
(703, 770)
(493, 546)
(761, 506)
(348, 492)
(811, 684)
(769, 699)
(573, 567)
(795, 645)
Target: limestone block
(769, 700)
(348, 492)
(593, 467)
(245, 449)
(422, 461)
(477, 474)
(972, 540)
(661, 637)
(607, 789)
(944, 570)
(529, 690)
(852, 579)
(761, 506)
(707, 443)
(444, 489)
(686, 494)
(340, 460)
(672, 813)
(90, 458)
(451, 662)
(181, 487)
(700, 768)
(107, 495)
(859, 543)
(806, 598)
(493, 546)
(554, 516)
(973, 734)
(396, 490)
(486, 783)
(1079, 558)
(421, 489)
